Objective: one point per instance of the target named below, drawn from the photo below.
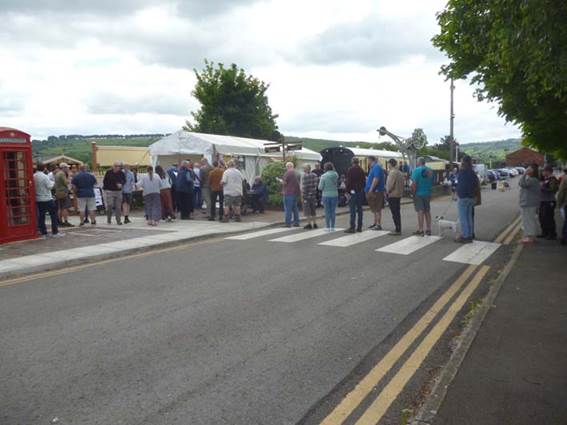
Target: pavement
(92, 243)
(251, 328)
(516, 369)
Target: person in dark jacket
(259, 195)
(184, 191)
(172, 173)
(355, 182)
(467, 186)
(549, 187)
(114, 180)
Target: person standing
(184, 191)
(151, 186)
(562, 205)
(549, 186)
(530, 198)
(260, 195)
(354, 188)
(112, 185)
(165, 194)
(291, 193)
(44, 200)
(232, 185)
(83, 185)
(318, 172)
(374, 189)
(127, 190)
(62, 194)
(205, 187)
(172, 173)
(215, 177)
(422, 185)
(328, 185)
(467, 188)
(395, 190)
(197, 194)
(309, 190)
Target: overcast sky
(337, 69)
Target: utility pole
(451, 128)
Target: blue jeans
(355, 205)
(466, 206)
(290, 205)
(197, 198)
(330, 205)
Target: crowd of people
(176, 192)
(190, 186)
(317, 186)
(541, 193)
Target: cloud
(194, 8)
(109, 103)
(375, 41)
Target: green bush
(270, 175)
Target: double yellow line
(508, 235)
(374, 413)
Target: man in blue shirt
(83, 184)
(374, 189)
(422, 184)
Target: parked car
(521, 170)
(513, 172)
(504, 172)
(492, 175)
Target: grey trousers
(113, 202)
(529, 221)
(206, 196)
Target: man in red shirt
(291, 193)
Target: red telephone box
(17, 194)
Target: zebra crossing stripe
(408, 245)
(475, 253)
(260, 233)
(355, 238)
(303, 235)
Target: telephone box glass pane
(16, 177)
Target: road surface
(250, 331)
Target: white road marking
(261, 233)
(308, 234)
(355, 238)
(475, 253)
(408, 245)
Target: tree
(232, 103)
(515, 52)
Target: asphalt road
(216, 332)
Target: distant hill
(79, 146)
(494, 151)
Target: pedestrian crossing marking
(303, 235)
(260, 233)
(355, 238)
(475, 253)
(409, 245)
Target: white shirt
(232, 182)
(166, 182)
(43, 186)
(150, 186)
